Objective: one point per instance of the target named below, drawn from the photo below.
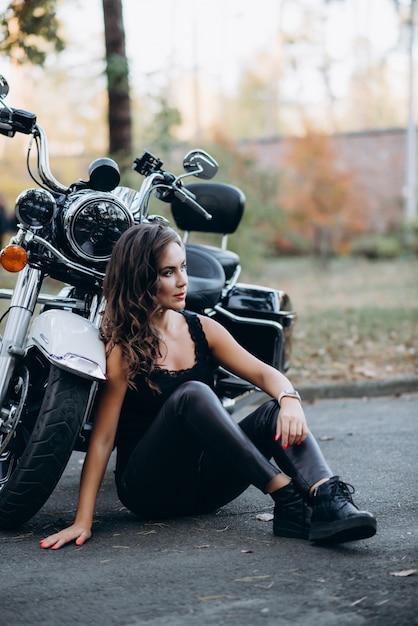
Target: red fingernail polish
(276, 437)
(285, 447)
(78, 542)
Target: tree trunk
(117, 70)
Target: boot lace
(342, 491)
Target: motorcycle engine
(91, 223)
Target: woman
(178, 451)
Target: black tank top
(143, 403)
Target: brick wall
(375, 159)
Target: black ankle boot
(335, 517)
(292, 515)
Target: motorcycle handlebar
(184, 195)
(16, 121)
(166, 185)
(19, 121)
(43, 163)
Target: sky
(221, 37)
(222, 44)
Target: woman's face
(172, 282)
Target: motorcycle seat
(206, 280)
(228, 259)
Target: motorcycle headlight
(35, 207)
(93, 223)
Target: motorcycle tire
(43, 442)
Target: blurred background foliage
(95, 96)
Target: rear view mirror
(200, 164)
(4, 87)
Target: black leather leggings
(194, 458)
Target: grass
(357, 319)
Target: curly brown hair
(130, 289)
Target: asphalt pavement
(227, 568)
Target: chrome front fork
(21, 309)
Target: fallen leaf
(264, 517)
(17, 537)
(246, 551)
(249, 579)
(363, 371)
(326, 438)
(207, 545)
(404, 572)
(206, 598)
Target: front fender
(70, 342)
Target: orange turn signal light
(13, 258)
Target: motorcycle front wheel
(52, 404)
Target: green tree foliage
(29, 31)
(165, 120)
(249, 111)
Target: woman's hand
(291, 423)
(75, 532)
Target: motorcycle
(52, 361)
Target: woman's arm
(291, 425)
(98, 454)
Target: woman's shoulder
(194, 322)
(199, 326)
(197, 319)
(212, 330)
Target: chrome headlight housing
(93, 222)
(35, 207)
